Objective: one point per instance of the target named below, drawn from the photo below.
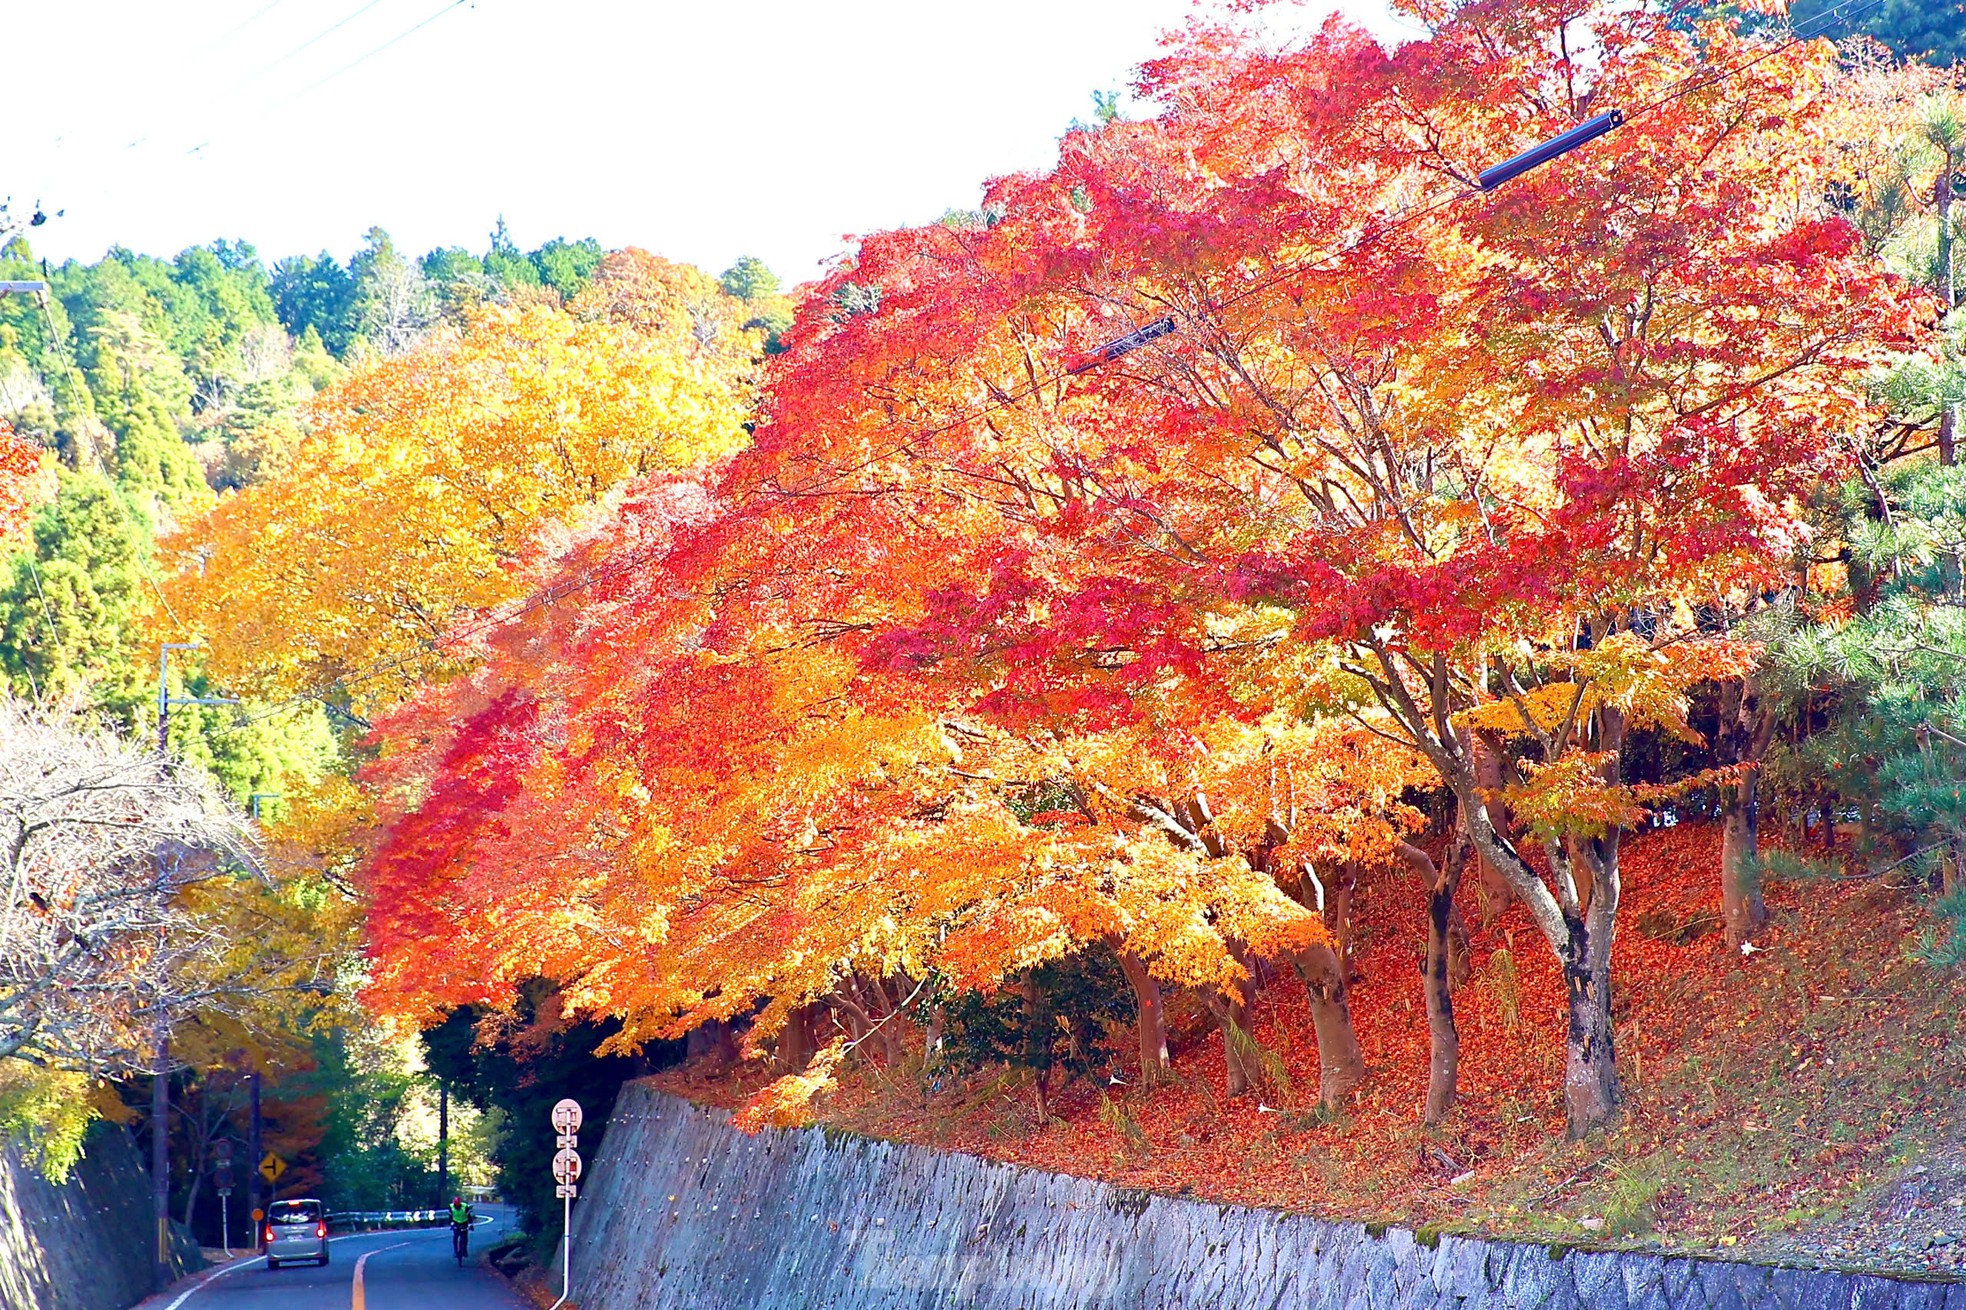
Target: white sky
(699, 129)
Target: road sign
(223, 1150)
(225, 1191)
(222, 1176)
(272, 1167)
(566, 1173)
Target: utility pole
(160, 1145)
(443, 1144)
(160, 1086)
(252, 1167)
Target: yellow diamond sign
(272, 1167)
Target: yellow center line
(360, 1303)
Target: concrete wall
(680, 1210)
(84, 1245)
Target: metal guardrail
(362, 1221)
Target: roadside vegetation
(1251, 662)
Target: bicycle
(460, 1242)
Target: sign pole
(566, 1177)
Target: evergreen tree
(567, 266)
(316, 295)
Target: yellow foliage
(416, 497)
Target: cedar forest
(1247, 663)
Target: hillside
(1799, 1103)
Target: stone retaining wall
(86, 1244)
(680, 1210)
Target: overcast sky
(701, 129)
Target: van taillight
(321, 1229)
(269, 1234)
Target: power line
(356, 63)
(238, 27)
(310, 42)
(264, 69)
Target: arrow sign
(566, 1166)
(272, 1167)
(566, 1116)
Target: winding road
(404, 1270)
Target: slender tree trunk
(1745, 728)
(1444, 1040)
(1151, 1024)
(713, 1039)
(1341, 1064)
(795, 1042)
(1942, 201)
(1591, 1092)
(1582, 944)
(1495, 893)
(1743, 912)
(1037, 1043)
(1232, 1014)
(932, 1034)
(1338, 914)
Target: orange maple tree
(1380, 456)
(23, 480)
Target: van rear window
(294, 1212)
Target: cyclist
(460, 1228)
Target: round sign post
(566, 1120)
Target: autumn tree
(421, 489)
(22, 483)
(102, 845)
(1259, 412)
(1488, 459)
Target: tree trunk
(1037, 1045)
(1495, 893)
(795, 1042)
(1151, 1025)
(1746, 724)
(932, 1034)
(1591, 1094)
(1743, 913)
(1232, 1013)
(1341, 1065)
(1444, 1040)
(1942, 202)
(1338, 914)
(712, 1039)
(1582, 945)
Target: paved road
(410, 1270)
